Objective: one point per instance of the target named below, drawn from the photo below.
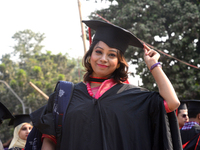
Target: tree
(42, 69)
(28, 43)
(171, 26)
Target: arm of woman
(165, 87)
(48, 144)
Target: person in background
(182, 114)
(22, 127)
(106, 113)
(190, 132)
(4, 114)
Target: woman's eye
(23, 128)
(112, 55)
(99, 52)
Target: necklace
(89, 89)
(97, 79)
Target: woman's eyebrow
(103, 49)
(113, 50)
(98, 47)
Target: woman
(22, 127)
(104, 113)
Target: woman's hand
(165, 87)
(150, 56)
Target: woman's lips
(102, 66)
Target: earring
(118, 65)
(89, 60)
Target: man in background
(190, 132)
(182, 114)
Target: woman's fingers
(146, 47)
(151, 53)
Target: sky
(59, 20)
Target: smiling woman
(105, 113)
(104, 60)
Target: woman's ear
(118, 65)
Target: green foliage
(171, 26)
(61, 77)
(2, 67)
(28, 43)
(13, 83)
(44, 70)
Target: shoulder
(133, 87)
(196, 128)
(80, 86)
(129, 89)
(136, 91)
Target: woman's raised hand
(150, 56)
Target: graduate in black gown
(22, 127)
(190, 132)
(107, 114)
(182, 114)
(4, 114)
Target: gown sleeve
(43, 118)
(166, 134)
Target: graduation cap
(182, 106)
(114, 36)
(24, 118)
(192, 104)
(4, 113)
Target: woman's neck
(92, 85)
(96, 81)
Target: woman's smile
(102, 66)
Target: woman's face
(24, 131)
(104, 60)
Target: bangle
(155, 65)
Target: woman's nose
(103, 58)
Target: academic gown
(191, 135)
(125, 117)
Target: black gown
(191, 135)
(124, 118)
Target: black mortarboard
(114, 36)
(4, 112)
(24, 118)
(192, 104)
(182, 106)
